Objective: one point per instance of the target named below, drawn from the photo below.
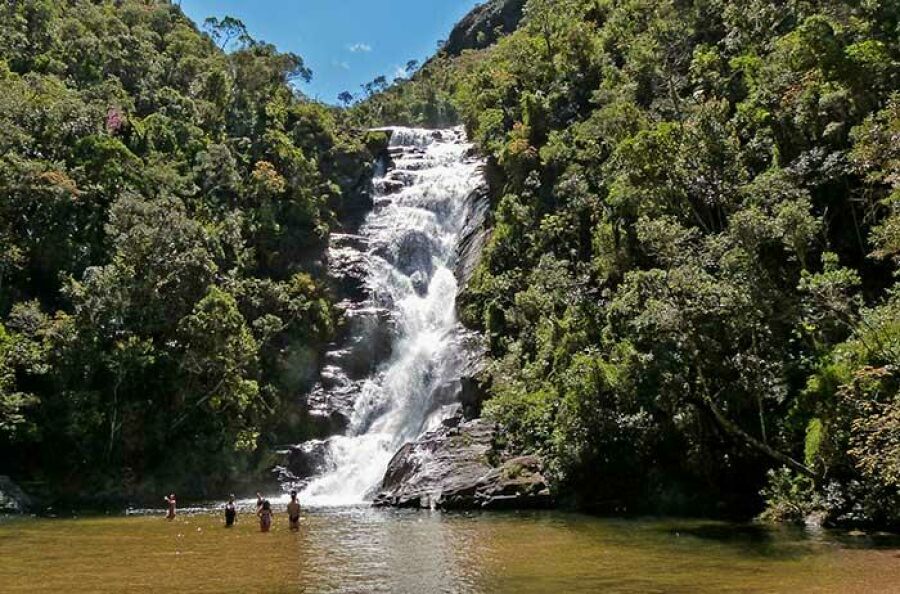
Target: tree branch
(734, 430)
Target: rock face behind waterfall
(458, 467)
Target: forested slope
(163, 209)
(690, 291)
(691, 283)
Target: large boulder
(458, 467)
(13, 500)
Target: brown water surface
(366, 550)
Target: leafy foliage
(164, 204)
(689, 281)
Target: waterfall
(404, 253)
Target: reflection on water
(367, 550)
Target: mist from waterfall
(409, 242)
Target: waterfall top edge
(403, 136)
(459, 127)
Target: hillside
(483, 26)
(165, 207)
(690, 291)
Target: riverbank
(353, 549)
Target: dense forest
(691, 289)
(164, 208)
(690, 293)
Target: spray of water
(410, 240)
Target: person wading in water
(293, 510)
(265, 516)
(230, 513)
(170, 514)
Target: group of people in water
(263, 511)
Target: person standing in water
(293, 510)
(170, 500)
(230, 513)
(265, 516)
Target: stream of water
(405, 248)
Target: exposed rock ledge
(484, 25)
(474, 237)
(457, 467)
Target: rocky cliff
(484, 25)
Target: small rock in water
(419, 282)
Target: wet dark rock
(382, 202)
(13, 500)
(366, 336)
(328, 423)
(307, 459)
(458, 467)
(474, 377)
(390, 186)
(471, 396)
(330, 404)
(412, 165)
(455, 418)
(414, 254)
(347, 272)
(348, 241)
(420, 283)
(356, 195)
(353, 172)
(468, 392)
(446, 393)
(474, 237)
(400, 176)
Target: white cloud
(360, 48)
(339, 64)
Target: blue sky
(345, 42)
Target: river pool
(368, 550)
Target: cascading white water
(410, 239)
